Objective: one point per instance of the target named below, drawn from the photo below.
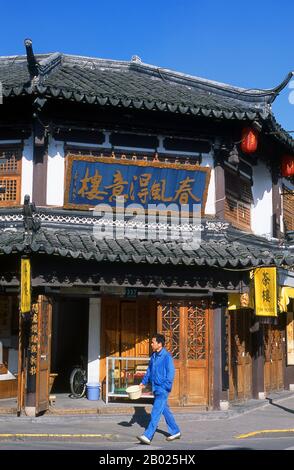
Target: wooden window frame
(8, 175)
(240, 195)
(288, 214)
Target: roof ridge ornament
(49, 63)
(33, 66)
(31, 220)
(135, 58)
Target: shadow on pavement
(271, 402)
(140, 417)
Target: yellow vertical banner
(265, 287)
(25, 286)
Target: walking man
(160, 374)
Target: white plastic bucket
(134, 392)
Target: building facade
(85, 145)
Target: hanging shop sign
(25, 285)
(265, 288)
(99, 180)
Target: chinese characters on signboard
(25, 304)
(93, 180)
(290, 338)
(34, 340)
(265, 286)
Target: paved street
(269, 427)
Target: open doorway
(70, 319)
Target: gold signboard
(25, 286)
(290, 338)
(265, 287)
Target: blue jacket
(161, 371)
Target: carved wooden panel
(196, 344)
(171, 328)
(185, 327)
(43, 313)
(241, 356)
(273, 352)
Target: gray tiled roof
(140, 86)
(224, 252)
(131, 84)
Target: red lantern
(249, 140)
(288, 165)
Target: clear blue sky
(248, 43)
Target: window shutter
(238, 200)
(10, 176)
(288, 209)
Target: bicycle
(78, 381)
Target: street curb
(119, 412)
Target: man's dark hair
(159, 338)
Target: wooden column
(94, 340)
(220, 193)
(216, 355)
(277, 208)
(39, 166)
(257, 363)
(219, 351)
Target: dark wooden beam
(220, 193)
(217, 356)
(40, 176)
(60, 271)
(257, 363)
(277, 209)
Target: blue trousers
(160, 407)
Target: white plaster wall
(207, 161)
(27, 169)
(94, 340)
(55, 173)
(262, 208)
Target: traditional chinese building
(92, 152)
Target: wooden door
(126, 330)
(241, 358)
(196, 348)
(185, 327)
(171, 326)
(128, 317)
(43, 353)
(145, 325)
(273, 353)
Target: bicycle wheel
(78, 382)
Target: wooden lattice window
(171, 328)
(288, 209)
(238, 199)
(10, 176)
(196, 337)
